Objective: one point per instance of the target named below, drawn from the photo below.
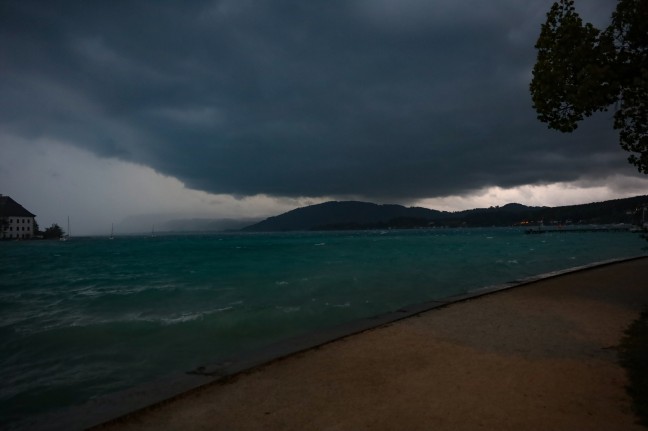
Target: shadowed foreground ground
(536, 357)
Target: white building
(15, 221)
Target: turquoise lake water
(91, 316)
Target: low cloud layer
(388, 100)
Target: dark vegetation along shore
(353, 215)
(633, 355)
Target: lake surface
(91, 316)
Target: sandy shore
(537, 357)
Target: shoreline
(156, 395)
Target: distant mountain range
(364, 215)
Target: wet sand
(536, 357)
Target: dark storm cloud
(381, 99)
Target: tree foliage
(53, 232)
(581, 70)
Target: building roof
(11, 208)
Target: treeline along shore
(352, 215)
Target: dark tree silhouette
(581, 70)
(53, 232)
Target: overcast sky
(133, 112)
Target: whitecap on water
(144, 317)
(181, 319)
(188, 317)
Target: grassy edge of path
(633, 356)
